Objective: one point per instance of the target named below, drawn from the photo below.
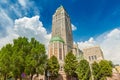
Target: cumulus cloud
(28, 27)
(14, 10)
(109, 43)
(86, 44)
(8, 39)
(11, 28)
(73, 27)
(31, 27)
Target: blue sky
(91, 17)
(97, 22)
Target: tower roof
(57, 38)
(59, 9)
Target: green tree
(102, 69)
(70, 65)
(95, 70)
(35, 61)
(22, 57)
(5, 61)
(111, 64)
(105, 69)
(20, 51)
(83, 70)
(53, 67)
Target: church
(61, 41)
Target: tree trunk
(15, 77)
(31, 76)
(37, 74)
(70, 77)
(5, 76)
(20, 77)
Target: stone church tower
(61, 41)
(61, 27)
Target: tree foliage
(22, 56)
(5, 60)
(95, 70)
(18, 56)
(70, 64)
(102, 69)
(53, 67)
(83, 70)
(35, 61)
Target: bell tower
(61, 41)
(61, 26)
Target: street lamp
(48, 74)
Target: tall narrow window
(60, 53)
(55, 51)
(95, 57)
(90, 58)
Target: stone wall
(92, 54)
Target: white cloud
(28, 27)
(22, 2)
(3, 1)
(73, 27)
(86, 44)
(5, 22)
(31, 27)
(19, 8)
(16, 9)
(109, 43)
(10, 29)
(12, 11)
(8, 39)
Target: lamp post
(48, 74)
